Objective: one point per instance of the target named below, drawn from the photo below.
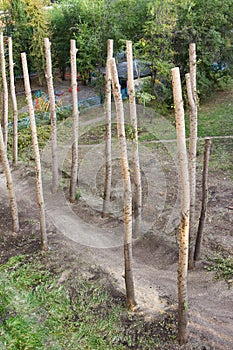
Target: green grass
(38, 312)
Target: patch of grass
(222, 266)
(39, 312)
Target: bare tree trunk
(131, 303)
(52, 107)
(204, 200)
(108, 135)
(39, 187)
(14, 103)
(135, 152)
(9, 182)
(192, 98)
(185, 205)
(5, 92)
(75, 115)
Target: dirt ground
(79, 231)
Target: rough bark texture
(53, 117)
(131, 303)
(108, 135)
(204, 200)
(9, 182)
(192, 98)
(185, 205)
(135, 152)
(39, 187)
(14, 103)
(75, 115)
(4, 92)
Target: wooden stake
(192, 98)
(204, 199)
(135, 151)
(75, 116)
(53, 117)
(129, 282)
(14, 103)
(185, 205)
(5, 92)
(39, 187)
(108, 134)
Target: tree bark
(204, 200)
(5, 92)
(14, 103)
(53, 117)
(192, 98)
(9, 182)
(39, 187)
(75, 115)
(130, 297)
(108, 134)
(185, 206)
(135, 152)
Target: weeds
(223, 267)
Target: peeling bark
(108, 135)
(185, 207)
(129, 282)
(39, 187)
(135, 151)
(75, 116)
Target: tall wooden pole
(129, 282)
(53, 117)
(192, 98)
(5, 92)
(39, 187)
(108, 134)
(185, 207)
(14, 103)
(197, 251)
(75, 116)
(135, 151)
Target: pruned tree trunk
(204, 200)
(4, 91)
(129, 282)
(185, 206)
(75, 115)
(39, 187)
(192, 98)
(53, 117)
(108, 133)
(135, 152)
(14, 103)
(9, 182)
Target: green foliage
(222, 266)
(27, 23)
(208, 24)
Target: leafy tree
(27, 22)
(156, 45)
(208, 23)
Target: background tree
(27, 22)
(209, 24)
